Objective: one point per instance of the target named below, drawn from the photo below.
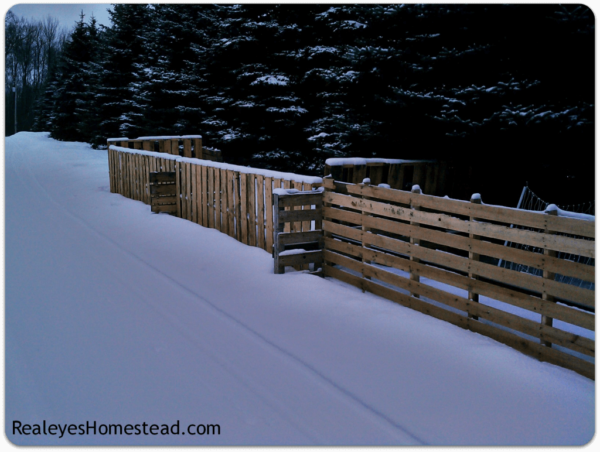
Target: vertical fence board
(230, 204)
(260, 211)
(269, 214)
(244, 207)
(210, 186)
(238, 209)
(251, 194)
(217, 178)
(224, 203)
(287, 227)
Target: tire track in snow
(226, 364)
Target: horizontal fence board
(300, 199)
(501, 214)
(300, 259)
(288, 216)
(168, 208)
(288, 238)
(343, 215)
(164, 200)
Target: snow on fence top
(566, 213)
(357, 161)
(225, 166)
(162, 137)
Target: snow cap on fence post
(476, 198)
(416, 189)
(551, 209)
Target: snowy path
(117, 315)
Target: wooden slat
(204, 195)
(343, 215)
(260, 211)
(286, 185)
(217, 179)
(269, 214)
(300, 199)
(301, 259)
(251, 207)
(211, 196)
(193, 194)
(244, 208)
(198, 198)
(224, 205)
(178, 184)
(175, 146)
(187, 147)
(238, 207)
(165, 189)
(159, 200)
(344, 231)
(300, 237)
(230, 204)
(300, 215)
(169, 208)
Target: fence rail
(385, 241)
(228, 198)
(189, 146)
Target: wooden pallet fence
(387, 241)
(297, 248)
(189, 146)
(224, 197)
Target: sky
(66, 13)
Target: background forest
(505, 90)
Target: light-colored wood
(345, 216)
(185, 190)
(299, 199)
(344, 231)
(546, 320)
(230, 204)
(178, 185)
(260, 211)
(193, 194)
(539, 261)
(198, 198)
(306, 225)
(300, 215)
(238, 207)
(269, 214)
(288, 226)
(473, 296)
(414, 241)
(198, 147)
(187, 147)
(536, 220)
(204, 195)
(251, 203)
(301, 259)
(217, 180)
(244, 207)
(541, 240)
(224, 203)
(211, 196)
(175, 146)
(288, 238)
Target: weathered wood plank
(244, 207)
(217, 181)
(300, 215)
(251, 208)
(269, 214)
(260, 211)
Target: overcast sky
(66, 13)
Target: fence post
(415, 242)
(365, 183)
(277, 229)
(547, 321)
(474, 297)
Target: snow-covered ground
(120, 316)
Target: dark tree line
(32, 50)
(506, 90)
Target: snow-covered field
(115, 315)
